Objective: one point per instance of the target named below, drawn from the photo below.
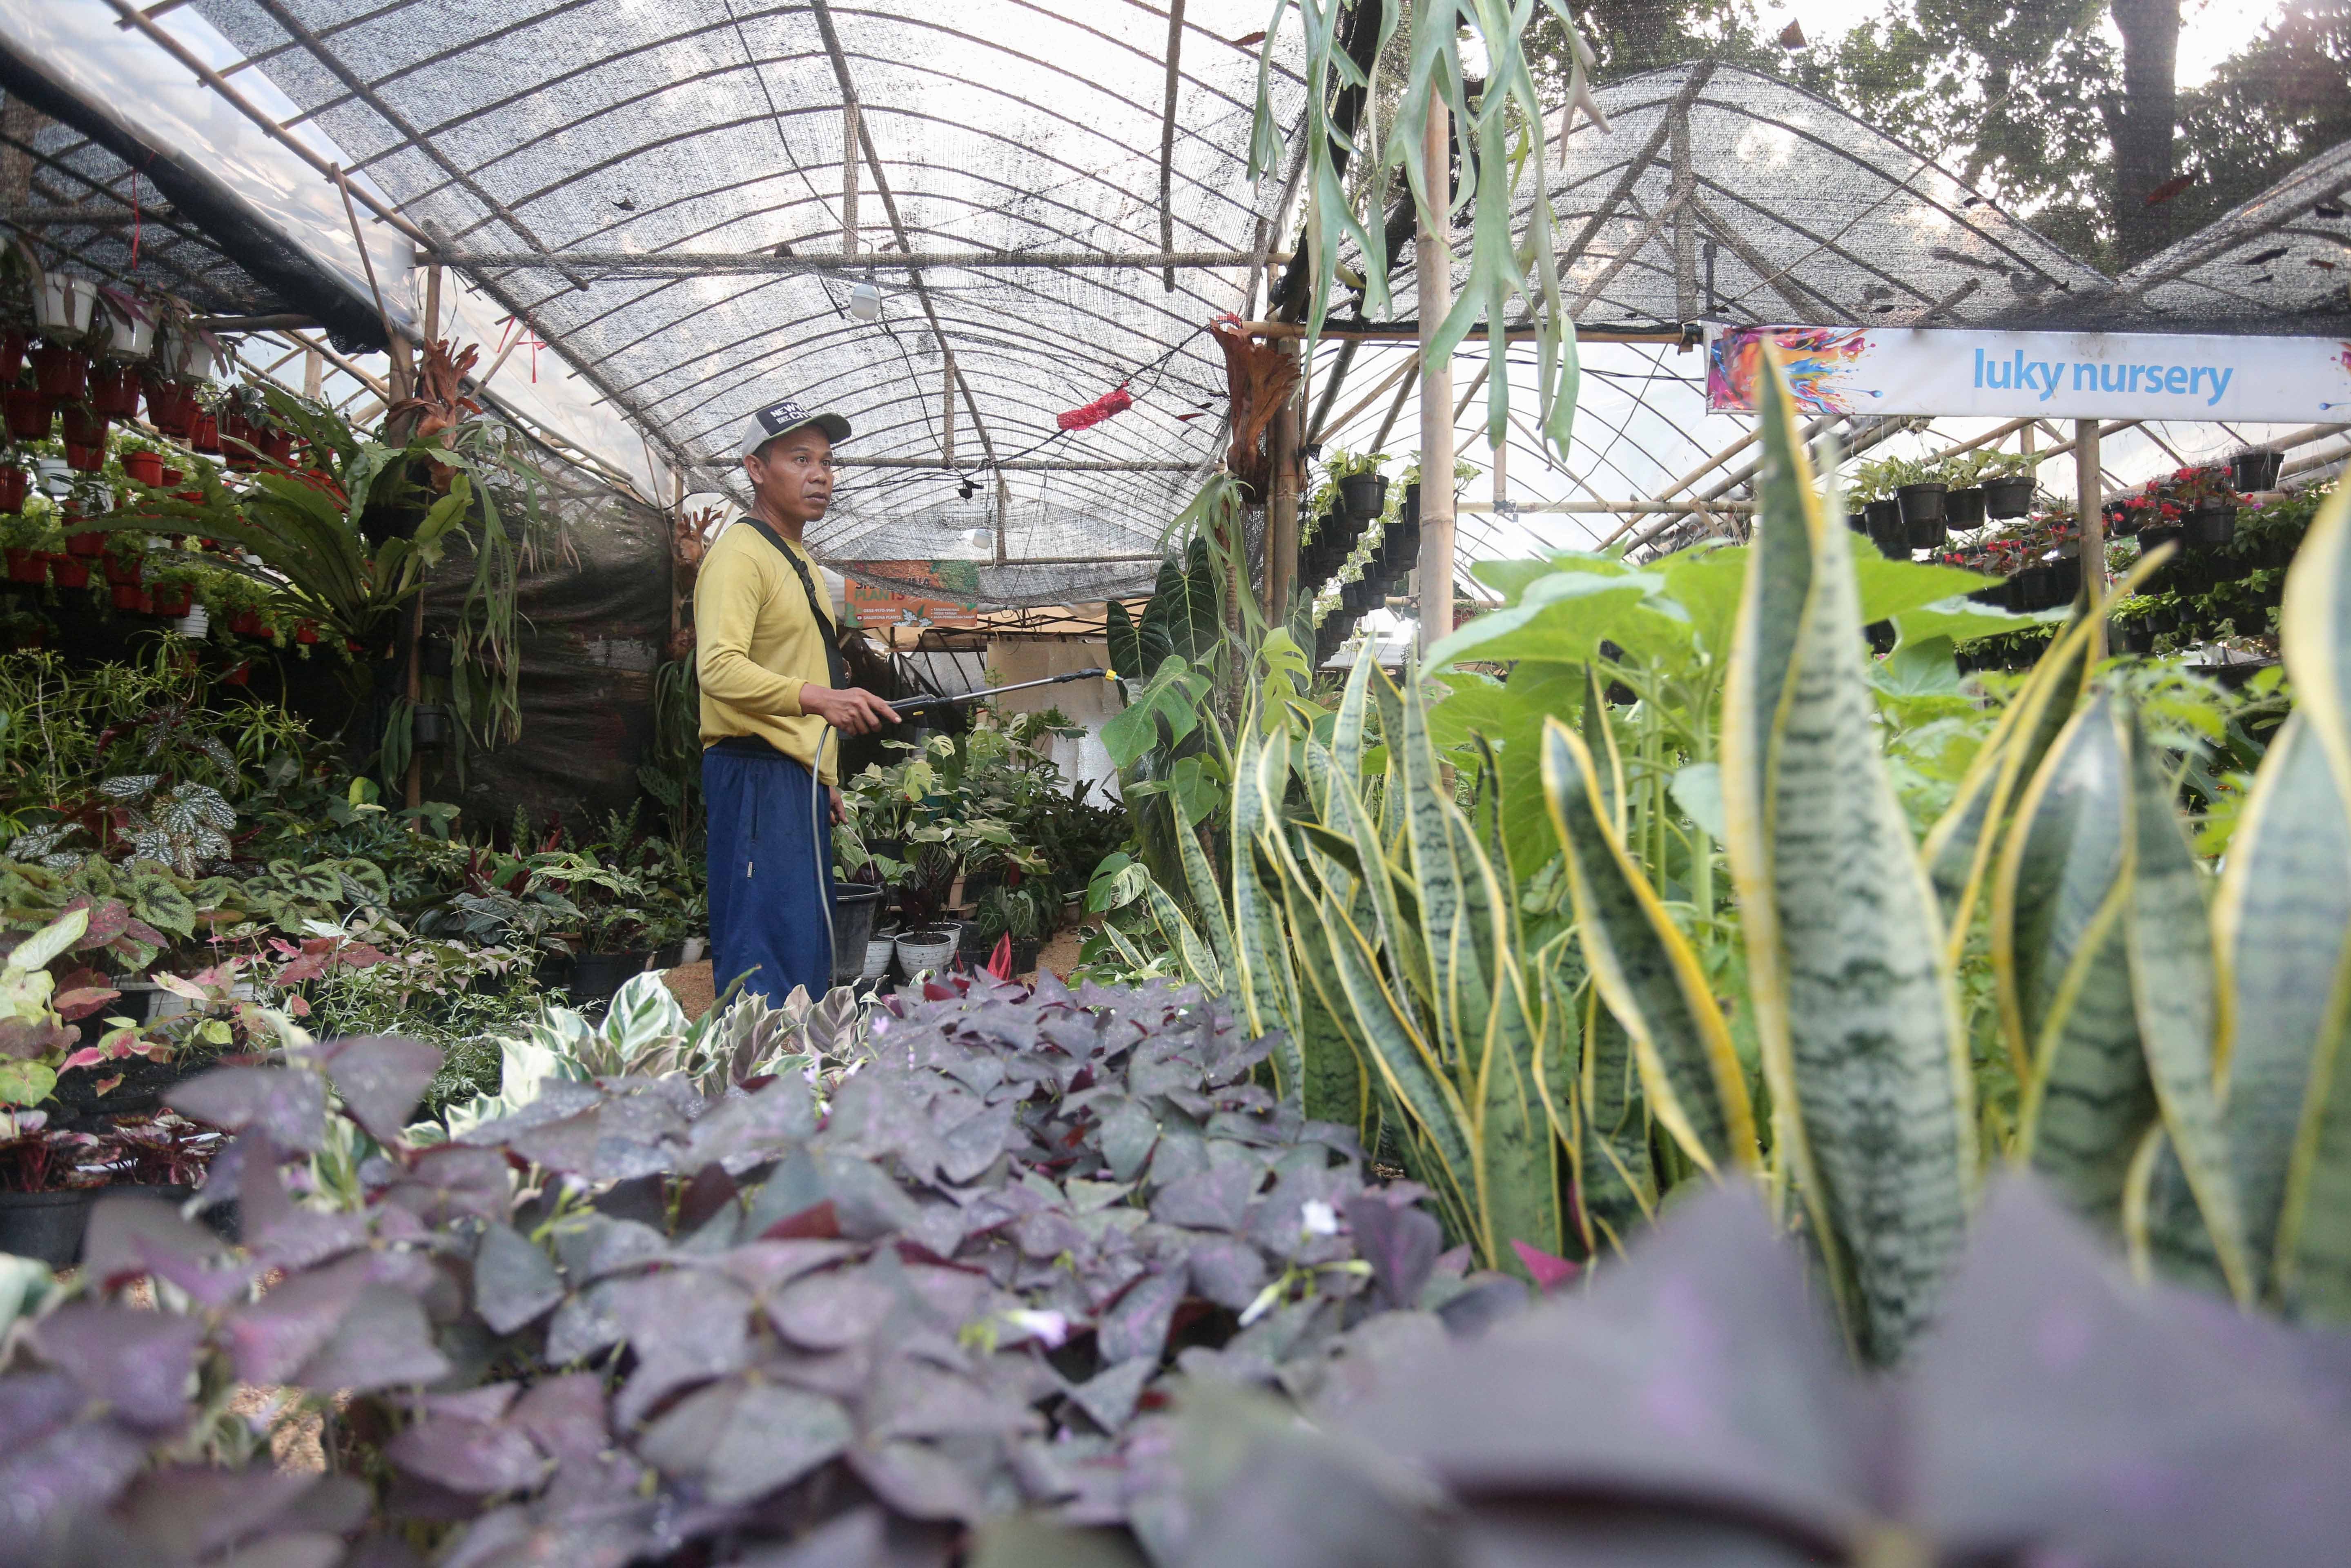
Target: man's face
(793, 475)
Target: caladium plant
(626, 1322)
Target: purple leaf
(1400, 1244)
(565, 1416)
(280, 1235)
(129, 1235)
(828, 1310)
(271, 1339)
(137, 1362)
(380, 1077)
(471, 1456)
(1138, 1325)
(513, 1281)
(1109, 1395)
(1214, 1199)
(381, 1342)
(289, 1103)
(738, 1442)
(918, 1481)
(193, 1509)
(72, 1469)
(1228, 1272)
(685, 1327)
(451, 1181)
(1548, 1269)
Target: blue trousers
(770, 871)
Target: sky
(2211, 30)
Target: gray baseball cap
(762, 425)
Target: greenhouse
(761, 810)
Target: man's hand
(840, 809)
(849, 709)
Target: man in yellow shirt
(774, 688)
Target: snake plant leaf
(1460, 973)
(1646, 970)
(1616, 1177)
(1208, 910)
(1267, 989)
(2061, 973)
(1855, 1007)
(2167, 933)
(2280, 923)
(1347, 727)
(2313, 1240)
(1338, 1080)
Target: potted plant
(2208, 503)
(1363, 489)
(65, 312)
(2256, 468)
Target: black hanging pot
(1363, 495)
(1994, 594)
(1410, 511)
(2036, 588)
(1857, 522)
(2124, 521)
(2132, 637)
(1922, 514)
(2065, 580)
(2008, 497)
(1885, 526)
(428, 726)
(2211, 523)
(2156, 535)
(2256, 468)
(1356, 597)
(1963, 509)
(1404, 545)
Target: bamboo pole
(1433, 273)
(2090, 496)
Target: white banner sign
(2053, 375)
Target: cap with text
(763, 425)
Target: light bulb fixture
(865, 301)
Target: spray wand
(913, 704)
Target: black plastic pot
(2211, 523)
(2132, 637)
(49, 1226)
(1922, 513)
(1354, 598)
(1964, 509)
(596, 976)
(2065, 580)
(1403, 542)
(2036, 588)
(1857, 522)
(2157, 536)
(2162, 623)
(854, 905)
(2123, 521)
(2008, 497)
(1363, 495)
(428, 726)
(1410, 511)
(2256, 468)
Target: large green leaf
(1649, 976)
(2063, 974)
(1561, 618)
(2283, 925)
(1854, 1003)
(2167, 933)
(1187, 607)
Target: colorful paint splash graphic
(1813, 355)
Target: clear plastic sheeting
(1725, 196)
(617, 128)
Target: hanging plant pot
(277, 446)
(2123, 522)
(237, 441)
(204, 435)
(171, 409)
(61, 374)
(306, 633)
(240, 675)
(1363, 495)
(65, 305)
(114, 391)
(89, 545)
(1858, 522)
(2211, 523)
(145, 468)
(2008, 497)
(84, 459)
(2065, 580)
(119, 571)
(248, 624)
(27, 413)
(1410, 510)
(14, 485)
(1964, 509)
(84, 426)
(129, 596)
(2154, 535)
(28, 566)
(12, 357)
(2036, 588)
(65, 571)
(2256, 468)
(1922, 503)
(173, 603)
(428, 725)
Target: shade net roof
(2280, 263)
(621, 128)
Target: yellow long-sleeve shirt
(757, 645)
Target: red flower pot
(84, 459)
(14, 483)
(205, 433)
(192, 497)
(305, 632)
(171, 477)
(62, 374)
(85, 545)
(171, 409)
(12, 357)
(114, 391)
(28, 414)
(246, 623)
(129, 596)
(277, 445)
(239, 675)
(119, 571)
(28, 566)
(84, 426)
(65, 571)
(171, 602)
(146, 467)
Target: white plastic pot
(129, 336)
(921, 950)
(193, 357)
(878, 953)
(65, 305)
